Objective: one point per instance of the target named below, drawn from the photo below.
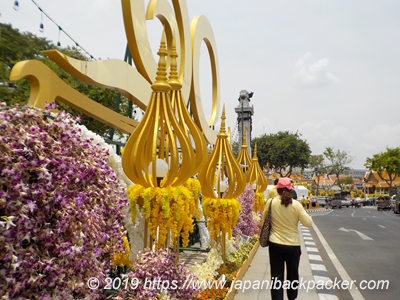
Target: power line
(16, 6)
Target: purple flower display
(246, 225)
(156, 274)
(60, 206)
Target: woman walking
(284, 246)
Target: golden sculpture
(222, 180)
(255, 175)
(158, 136)
(185, 121)
(222, 166)
(244, 159)
(135, 83)
(47, 86)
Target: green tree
(282, 151)
(386, 164)
(317, 164)
(338, 163)
(347, 182)
(16, 46)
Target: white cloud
(360, 144)
(308, 75)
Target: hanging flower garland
(168, 209)
(220, 214)
(259, 203)
(122, 259)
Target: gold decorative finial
(223, 165)
(173, 73)
(161, 85)
(244, 158)
(244, 137)
(185, 121)
(159, 141)
(256, 175)
(255, 152)
(222, 131)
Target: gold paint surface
(185, 121)
(244, 159)
(113, 74)
(256, 175)
(222, 165)
(135, 84)
(46, 86)
(158, 136)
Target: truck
(383, 203)
(336, 203)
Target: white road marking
(315, 257)
(381, 226)
(361, 235)
(342, 272)
(318, 267)
(312, 249)
(364, 218)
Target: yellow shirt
(285, 221)
(272, 193)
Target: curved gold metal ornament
(222, 165)
(113, 74)
(135, 83)
(244, 159)
(184, 119)
(256, 175)
(158, 136)
(201, 31)
(46, 86)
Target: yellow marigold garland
(259, 203)
(170, 208)
(194, 186)
(121, 259)
(221, 214)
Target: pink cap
(285, 183)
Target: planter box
(243, 270)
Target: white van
(300, 190)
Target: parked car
(393, 201)
(322, 201)
(346, 202)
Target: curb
(317, 265)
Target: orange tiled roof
(373, 178)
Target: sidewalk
(259, 270)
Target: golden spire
(255, 175)
(185, 121)
(161, 85)
(157, 139)
(244, 159)
(223, 167)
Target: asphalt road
(367, 244)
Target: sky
(328, 69)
